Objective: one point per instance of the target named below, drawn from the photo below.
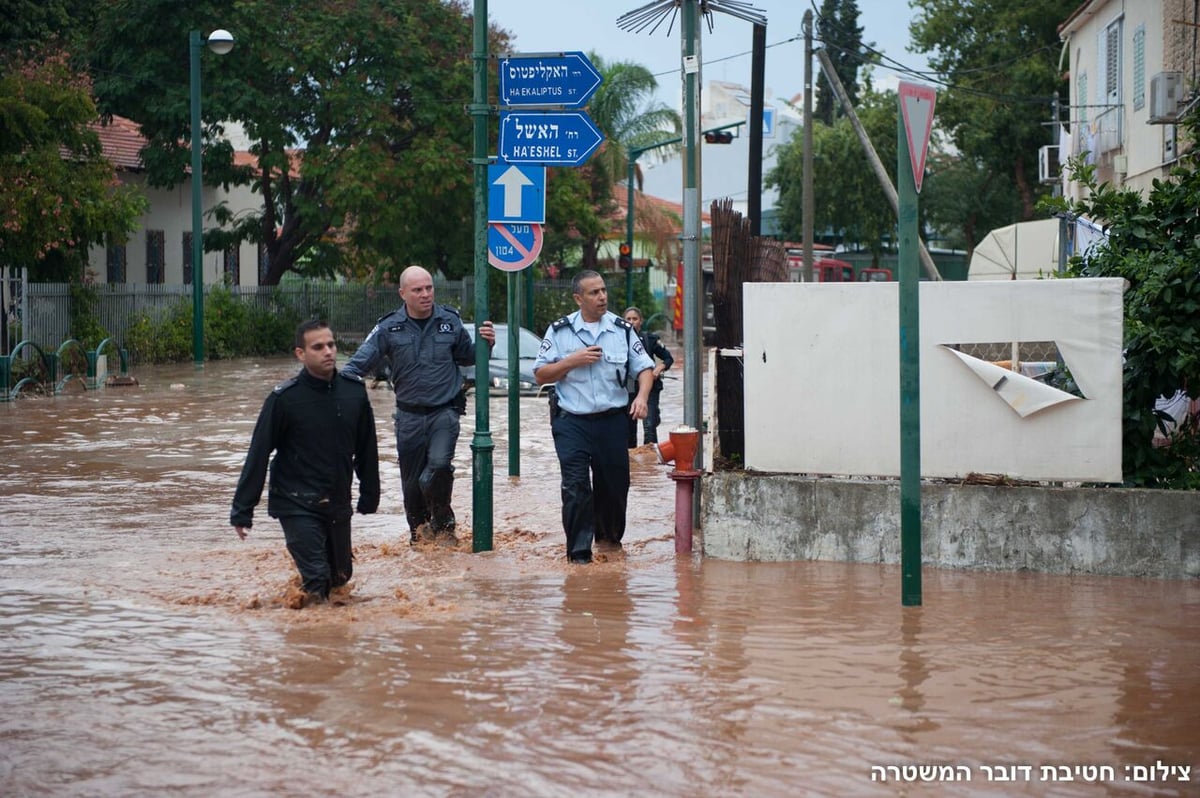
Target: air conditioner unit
(1048, 166)
(1166, 95)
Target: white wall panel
(822, 379)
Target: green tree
(849, 205)
(58, 194)
(354, 111)
(625, 114)
(1153, 242)
(1001, 60)
(962, 200)
(29, 26)
(841, 36)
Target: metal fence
(350, 309)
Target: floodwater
(147, 651)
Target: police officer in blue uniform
(423, 344)
(592, 356)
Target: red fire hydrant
(684, 443)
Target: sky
(591, 25)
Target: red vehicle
(875, 276)
(832, 270)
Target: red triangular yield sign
(916, 105)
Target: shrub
(1154, 243)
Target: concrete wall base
(1114, 531)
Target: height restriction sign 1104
(512, 247)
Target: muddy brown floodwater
(146, 650)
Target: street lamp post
(220, 42)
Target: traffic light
(625, 260)
(718, 137)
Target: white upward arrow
(513, 180)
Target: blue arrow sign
(563, 138)
(566, 79)
(516, 193)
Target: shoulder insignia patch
(637, 346)
(283, 386)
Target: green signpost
(913, 123)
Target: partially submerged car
(527, 348)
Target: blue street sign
(563, 79)
(563, 138)
(516, 193)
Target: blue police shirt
(604, 384)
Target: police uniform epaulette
(283, 386)
(620, 322)
(452, 309)
(560, 323)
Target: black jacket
(322, 433)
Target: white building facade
(1133, 74)
(159, 251)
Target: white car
(528, 344)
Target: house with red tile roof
(160, 250)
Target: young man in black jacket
(321, 428)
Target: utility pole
(806, 199)
(693, 280)
(758, 66)
(889, 190)
(649, 17)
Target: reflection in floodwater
(146, 650)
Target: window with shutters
(115, 262)
(233, 266)
(1081, 103)
(1139, 67)
(187, 258)
(1109, 133)
(1112, 63)
(155, 256)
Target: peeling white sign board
(822, 379)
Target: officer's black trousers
(425, 451)
(595, 478)
(320, 547)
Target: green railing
(47, 366)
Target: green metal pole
(528, 282)
(632, 159)
(194, 45)
(514, 377)
(910, 372)
(481, 443)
